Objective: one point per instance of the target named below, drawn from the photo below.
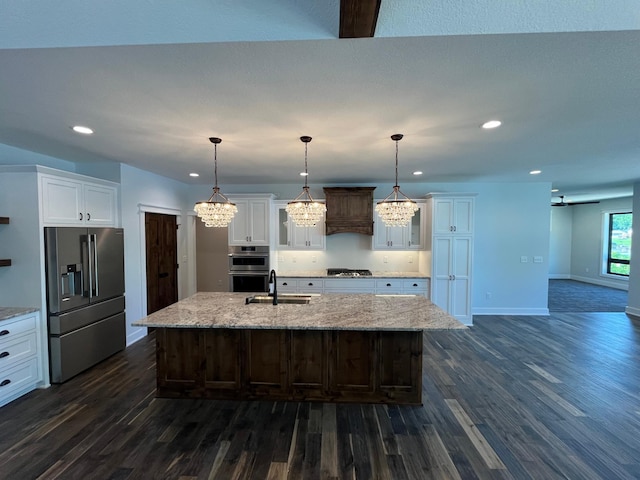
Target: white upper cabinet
(453, 215)
(66, 201)
(290, 236)
(250, 226)
(410, 237)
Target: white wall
(560, 242)
(633, 303)
(587, 243)
(142, 191)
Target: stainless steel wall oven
(248, 268)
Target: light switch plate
(524, 259)
(537, 259)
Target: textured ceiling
(156, 83)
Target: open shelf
(4, 220)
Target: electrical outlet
(293, 259)
(313, 259)
(385, 259)
(410, 259)
(488, 295)
(282, 259)
(586, 270)
(524, 259)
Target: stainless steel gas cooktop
(348, 272)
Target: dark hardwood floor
(513, 397)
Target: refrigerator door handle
(94, 271)
(86, 267)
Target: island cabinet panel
(354, 362)
(402, 352)
(178, 359)
(266, 367)
(222, 356)
(309, 372)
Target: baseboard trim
(511, 311)
(632, 311)
(139, 334)
(559, 276)
(602, 283)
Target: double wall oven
(248, 268)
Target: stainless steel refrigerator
(85, 297)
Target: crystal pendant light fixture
(394, 210)
(304, 211)
(218, 211)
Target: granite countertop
(323, 274)
(324, 312)
(11, 312)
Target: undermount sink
(295, 299)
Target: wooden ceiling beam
(358, 18)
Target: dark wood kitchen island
(337, 348)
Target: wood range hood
(349, 210)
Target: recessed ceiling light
(535, 172)
(194, 174)
(83, 130)
(417, 172)
(491, 124)
(554, 190)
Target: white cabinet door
(62, 201)
(453, 215)
(251, 224)
(410, 237)
(100, 205)
(451, 276)
(388, 238)
(307, 238)
(74, 202)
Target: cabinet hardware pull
(4, 354)
(310, 284)
(5, 382)
(284, 284)
(388, 284)
(4, 332)
(455, 229)
(88, 216)
(415, 284)
(80, 215)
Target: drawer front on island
(296, 365)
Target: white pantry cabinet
(450, 239)
(292, 237)
(20, 361)
(250, 226)
(68, 201)
(410, 237)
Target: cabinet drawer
(349, 285)
(18, 377)
(287, 285)
(389, 285)
(17, 349)
(310, 285)
(415, 286)
(10, 329)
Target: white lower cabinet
(394, 285)
(19, 357)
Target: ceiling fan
(562, 203)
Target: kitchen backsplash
(350, 251)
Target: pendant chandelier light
(304, 211)
(218, 211)
(396, 211)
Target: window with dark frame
(619, 243)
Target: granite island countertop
(11, 312)
(323, 274)
(329, 311)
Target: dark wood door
(162, 260)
